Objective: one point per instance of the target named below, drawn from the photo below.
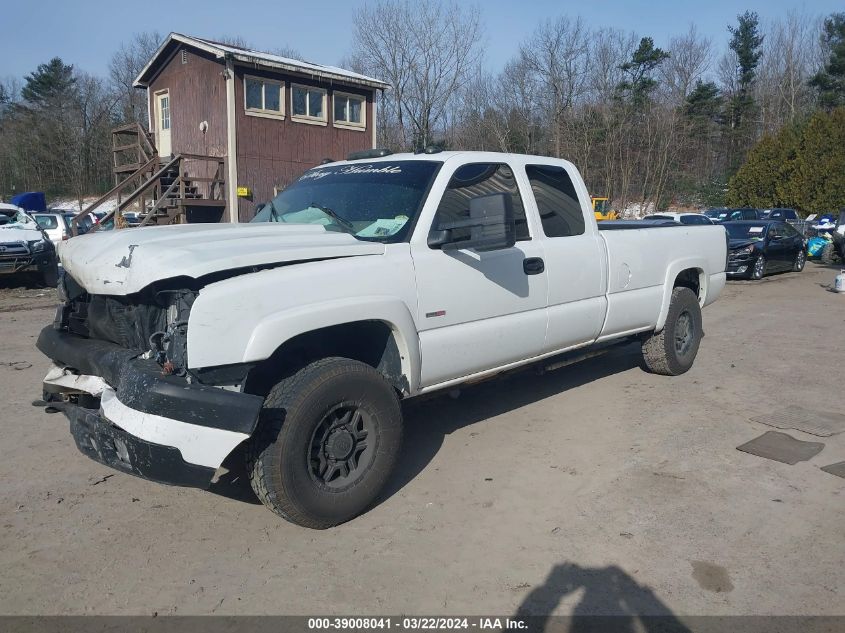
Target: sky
(86, 32)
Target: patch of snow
(73, 204)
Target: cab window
(471, 181)
(560, 212)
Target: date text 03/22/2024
(418, 623)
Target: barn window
(308, 104)
(349, 110)
(263, 97)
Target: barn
(228, 123)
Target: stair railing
(74, 223)
(153, 181)
(162, 199)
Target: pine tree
(51, 84)
(746, 42)
(704, 101)
(639, 83)
(830, 81)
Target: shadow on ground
(22, 281)
(611, 600)
(429, 420)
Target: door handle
(533, 265)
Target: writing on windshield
(375, 201)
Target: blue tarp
(30, 201)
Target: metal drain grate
(818, 423)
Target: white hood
(120, 262)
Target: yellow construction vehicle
(601, 208)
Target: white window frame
(263, 112)
(351, 125)
(302, 118)
(160, 110)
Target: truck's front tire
(672, 351)
(327, 441)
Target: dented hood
(20, 233)
(126, 261)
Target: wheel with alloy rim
(759, 268)
(800, 260)
(672, 351)
(327, 440)
(339, 451)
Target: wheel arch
(378, 333)
(689, 274)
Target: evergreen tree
(639, 83)
(765, 179)
(51, 84)
(704, 102)
(820, 175)
(830, 81)
(801, 167)
(746, 42)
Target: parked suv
(55, 225)
(24, 248)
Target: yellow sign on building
(244, 192)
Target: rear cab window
(557, 201)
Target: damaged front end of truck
(120, 376)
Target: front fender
(272, 331)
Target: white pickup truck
(363, 283)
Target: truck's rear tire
(672, 351)
(327, 441)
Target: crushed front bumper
(104, 442)
(739, 264)
(126, 414)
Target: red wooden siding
(197, 93)
(273, 152)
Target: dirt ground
(597, 488)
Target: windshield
(754, 232)
(372, 201)
(716, 213)
(15, 217)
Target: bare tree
(426, 51)
(125, 65)
(791, 50)
(558, 54)
(689, 58)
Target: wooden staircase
(149, 189)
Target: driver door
(479, 310)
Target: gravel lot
(597, 488)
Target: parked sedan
(780, 214)
(682, 218)
(759, 247)
(732, 215)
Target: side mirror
(491, 225)
(259, 207)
